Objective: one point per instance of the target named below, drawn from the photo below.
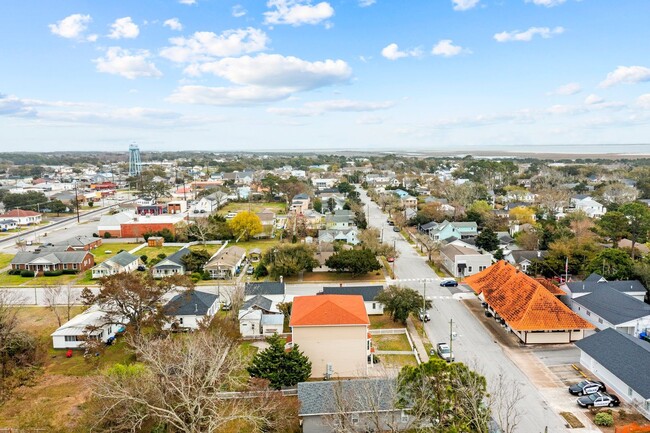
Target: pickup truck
(445, 352)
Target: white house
(119, 263)
(595, 282)
(347, 235)
(323, 183)
(461, 260)
(89, 324)
(186, 310)
(7, 224)
(258, 316)
(620, 361)
(588, 205)
(22, 217)
(369, 293)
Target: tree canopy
(356, 261)
(280, 367)
(246, 224)
(400, 302)
(487, 239)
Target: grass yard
(7, 280)
(278, 208)
(398, 361)
(391, 342)
(262, 244)
(5, 259)
(211, 248)
(384, 322)
(101, 253)
(328, 277)
(152, 252)
(437, 270)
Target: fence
(390, 331)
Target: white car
(445, 352)
(598, 399)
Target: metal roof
(614, 306)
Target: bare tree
(504, 402)
(51, 298)
(199, 230)
(432, 246)
(192, 384)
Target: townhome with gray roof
(120, 263)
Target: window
(469, 269)
(180, 320)
(630, 391)
(600, 320)
(404, 417)
(70, 338)
(355, 418)
(374, 305)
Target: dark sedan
(587, 387)
(598, 399)
(449, 283)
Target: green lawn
(101, 254)
(398, 361)
(16, 280)
(326, 277)
(152, 252)
(278, 208)
(5, 259)
(211, 248)
(262, 244)
(391, 342)
(384, 322)
(419, 326)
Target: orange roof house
(332, 330)
(529, 308)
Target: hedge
(53, 273)
(69, 271)
(26, 273)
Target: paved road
(472, 345)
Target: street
(472, 345)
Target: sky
(369, 75)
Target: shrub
(162, 256)
(26, 273)
(206, 275)
(107, 235)
(53, 273)
(144, 258)
(604, 419)
(95, 235)
(13, 272)
(196, 276)
(69, 271)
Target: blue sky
(325, 75)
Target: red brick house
(53, 260)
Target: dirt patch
(622, 416)
(397, 342)
(572, 420)
(384, 322)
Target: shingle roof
(190, 303)
(258, 301)
(175, 258)
(123, 259)
(228, 257)
(614, 306)
(594, 282)
(624, 356)
(78, 241)
(369, 293)
(18, 213)
(49, 257)
(264, 288)
(521, 255)
(524, 303)
(326, 310)
(360, 395)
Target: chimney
(196, 308)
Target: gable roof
(369, 293)
(190, 303)
(614, 306)
(530, 255)
(319, 398)
(323, 310)
(595, 282)
(264, 288)
(523, 302)
(623, 355)
(47, 257)
(258, 301)
(174, 259)
(78, 241)
(123, 258)
(19, 213)
(228, 257)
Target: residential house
(120, 263)
(313, 219)
(267, 217)
(588, 205)
(81, 243)
(299, 203)
(448, 231)
(259, 316)
(609, 308)
(620, 361)
(332, 331)
(226, 263)
(526, 306)
(91, 324)
(53, 260)
(323, 183)
(171, 265)
(22, 217)
(339, 222)
(595, 282)
(210, 203)
(265, 288)
(346, 235)
(368, 293)
(188, 309)
(461, 260)
(522, 259)
(7, 224)
(367, 404)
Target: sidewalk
(417, 341)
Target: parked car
(250, 270)
(424, 316)
(445, 352)
(449, 283)
(391, 223)
(390, 259)
(586, 387)
(598, 399)
(396, 229)
(142, 268)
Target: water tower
(135, 164)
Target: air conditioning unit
(329, 371)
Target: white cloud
(187, 2)
(366, 3)
(626, 74)
(593, 99)
(92, 38)
(123, 62)
(174, 24)
(526, 36)
(336, 105)
(71, 27)
(392, 52)
(297, 12)
(567, 89)
(203, 46)
(547, 3)
(276, 71)
(124, 28)
(227, 96)
(446, 48)
(644, 101)
(238, 11)
(463, 5)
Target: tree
(191, 384)
(200, 230)
(612, 264)
(638, 217)
(280, 367)
(370, 239)
(358, 262)
(318, 205)
(431, 212)
(431, 245)
(246, 224)
(487, 239)
(346, 188)
(504, 402)
(27, 201)
(289, 259)
(528, 240)
(522, 215)
(448, 396)
(401, 301)
(195, 260)
(128, 299)
(612, 225)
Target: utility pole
(451, 338)
(394, 257)
(424, 297)
(76, 200)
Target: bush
(26, 273)
(69, 271)
(604, 419)
(107, 235)
(13, 272)
(162, 256)
(196, 276)
(53, 273)
(206, 275)
(95, 235)
(144, 258)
